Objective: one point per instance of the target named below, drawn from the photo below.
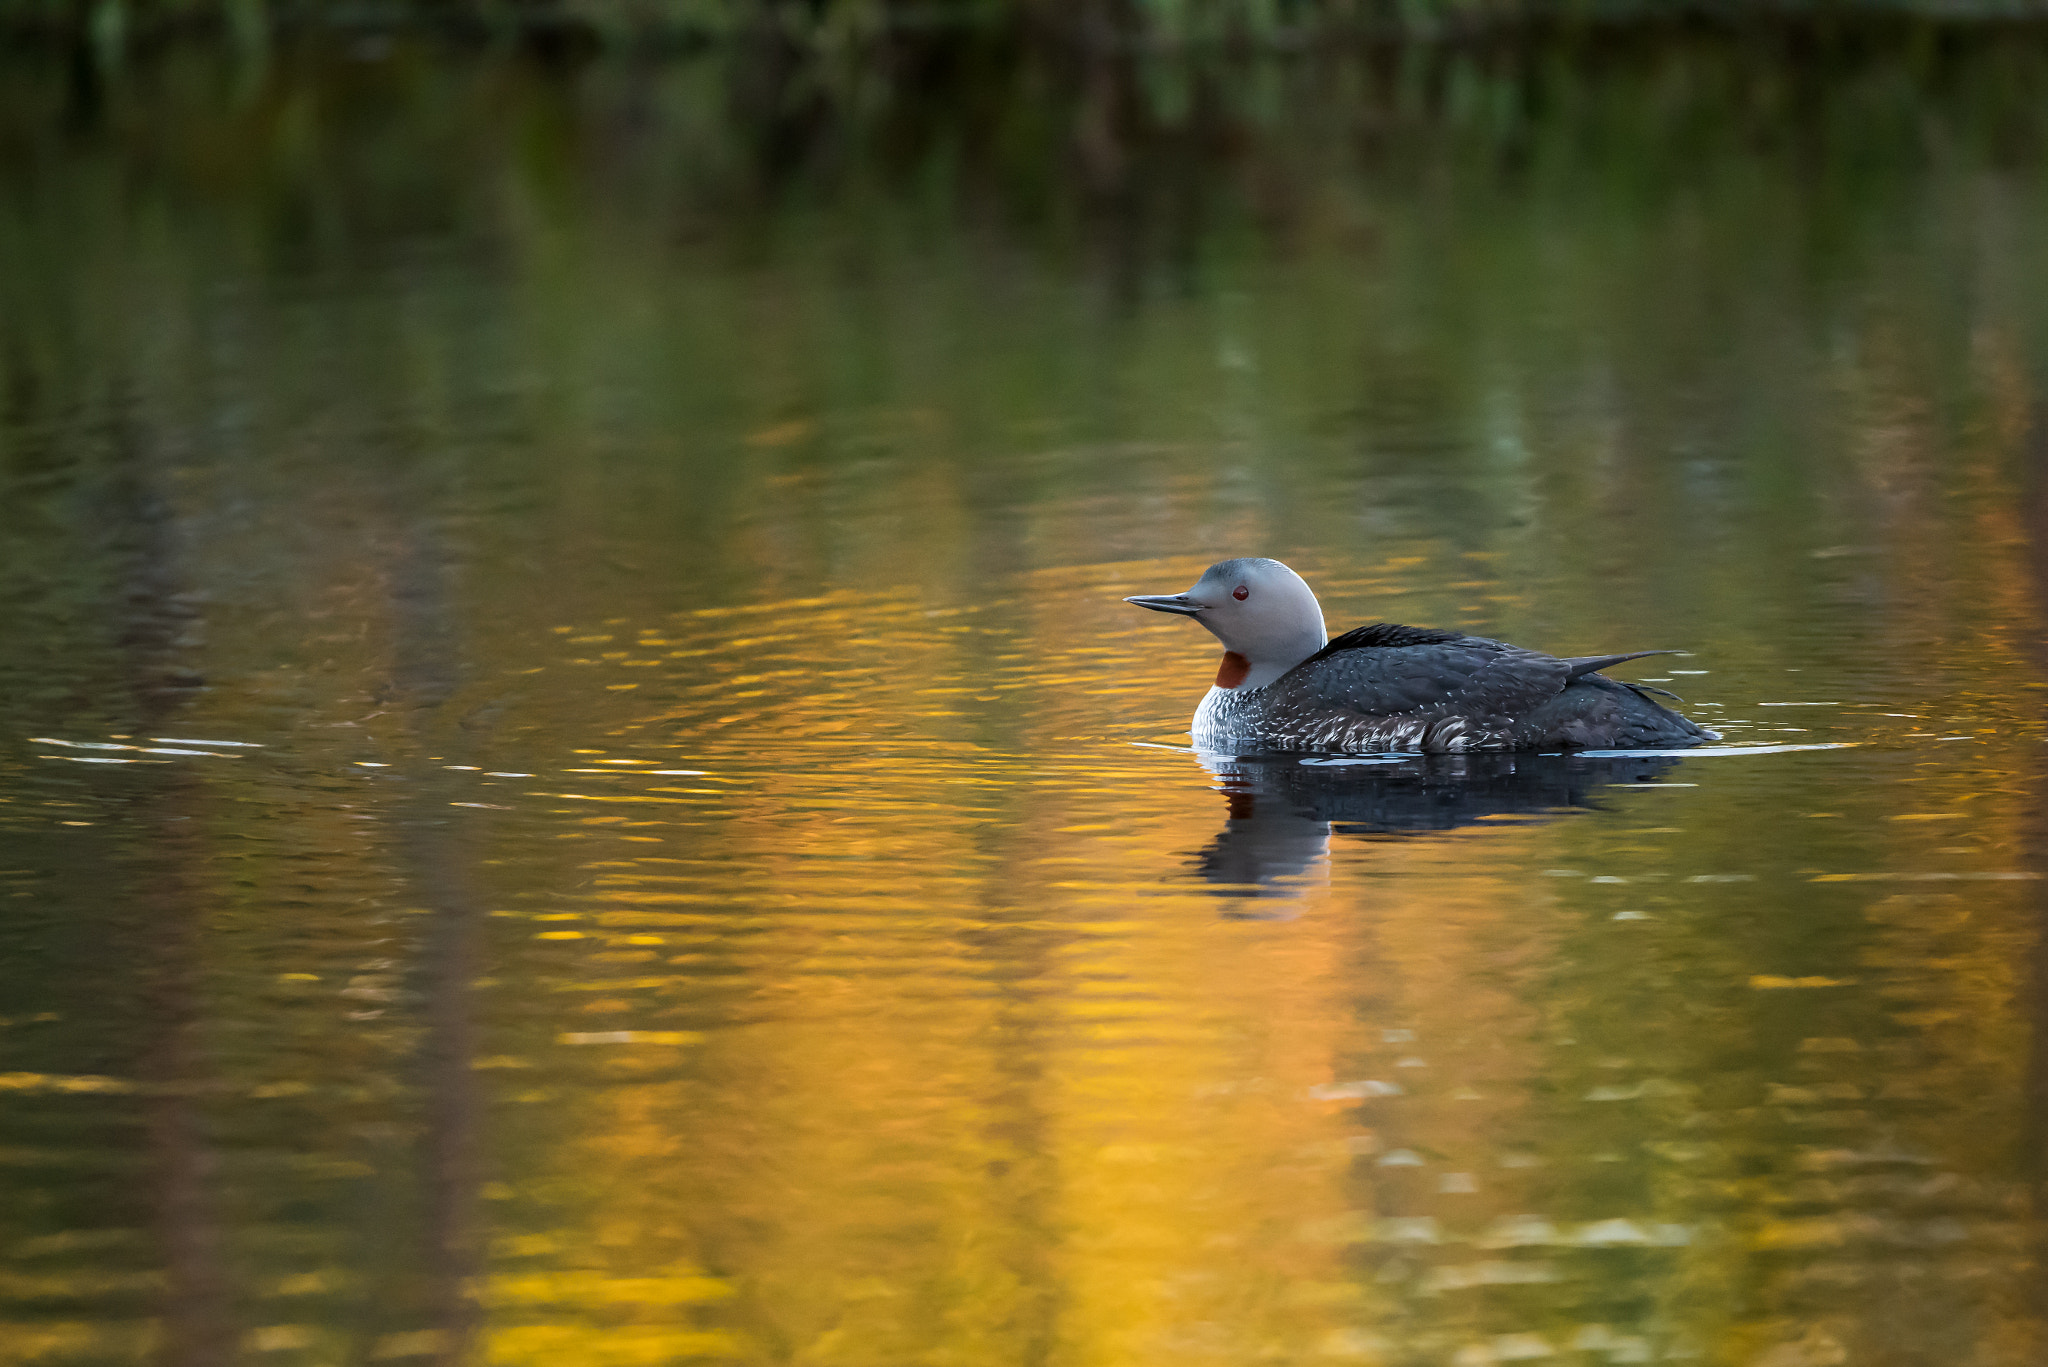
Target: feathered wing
(1386, 671)
(1412, 688)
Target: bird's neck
(1255, 659)
(1239, 674)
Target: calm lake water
(575, 787)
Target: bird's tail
(1593, 664)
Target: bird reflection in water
(1283, 809)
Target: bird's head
(1266, 617)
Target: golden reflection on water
(801, 937)
(827, 1031)
(854, 989)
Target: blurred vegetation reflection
(567, 772)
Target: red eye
(1240, 593)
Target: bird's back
(1394, 688)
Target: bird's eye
(1240, 593)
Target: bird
(1284, 686)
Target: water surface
(575, 785)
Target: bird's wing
(1386, 671)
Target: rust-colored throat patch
(1233, 670)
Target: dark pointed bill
(1167, 602)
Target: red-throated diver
(1284, 686)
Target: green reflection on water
(686, 887)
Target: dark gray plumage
(1404, 688)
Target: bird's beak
(1168, 602)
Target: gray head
(1262, 612)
